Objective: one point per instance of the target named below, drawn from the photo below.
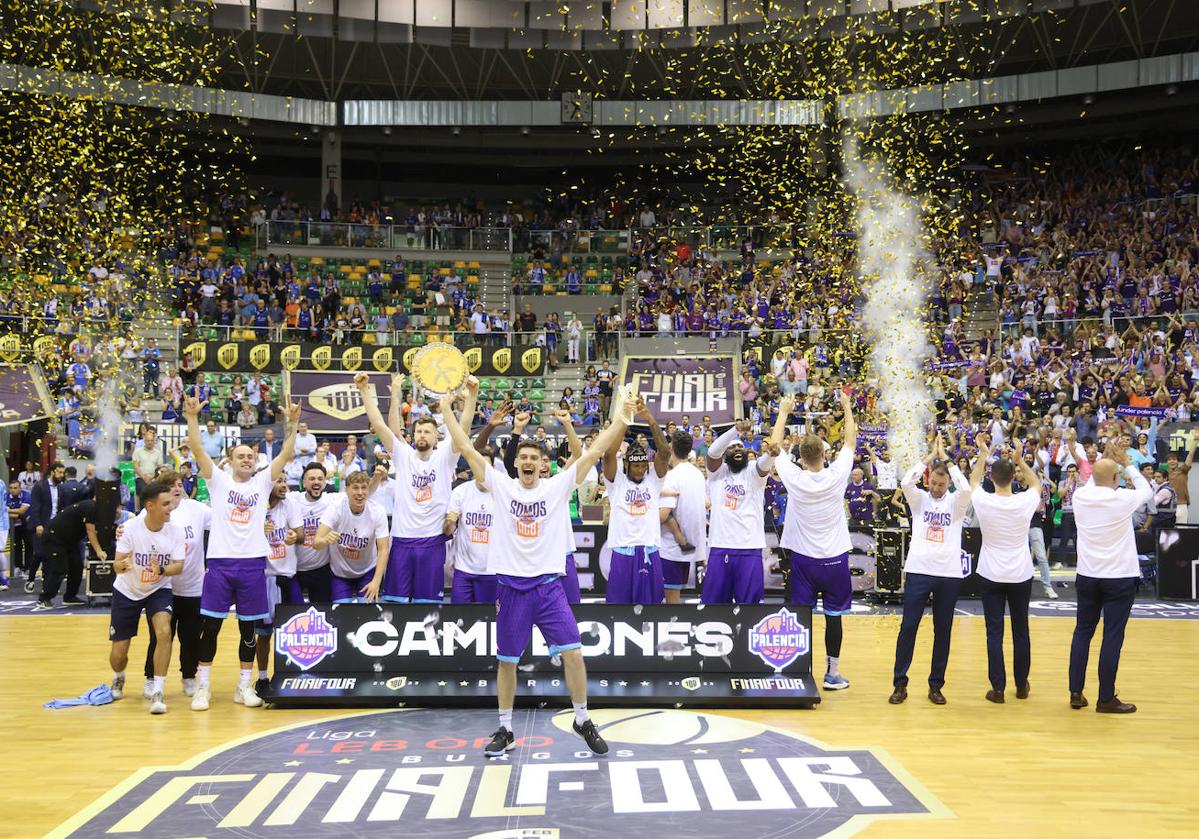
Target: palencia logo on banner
(422, 772)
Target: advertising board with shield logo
(275, 357)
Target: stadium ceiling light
(526, 130)
(456, 130)
(1171, 89)
(387, 131)
(1088, 99)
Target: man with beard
(424, 479)
(284, 528)
(736, 534)
(935, 565)
(633, 528)
(312, 562)
(816, 532)
(355, 531)
(531, 536)
(191, 519)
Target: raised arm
(288, 449)
(572, 436)
(467, 417)
(608, 438)
(786, 409)
(661, 444)
(390, 430)
(720, 444)
(483, 438)
(979, 470)
(1025, 473)
(462, 444)
(204, 464)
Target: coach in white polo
(1108, 572)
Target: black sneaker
(502, 741)
(262, 687)
(73, 601)
(591, 735)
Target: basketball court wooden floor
(1026, 768)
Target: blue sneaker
(837, 682)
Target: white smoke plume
(897, 270)
(108, 428)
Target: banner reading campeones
(246, 357)
(693, 387)
(388, 653)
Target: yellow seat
(216, 236)
(316, 260)
(368, 338)
(351, 301)
(591, 273)
(458, 264)
(389, 310)
(473, 265)
(344, 268)
(548, 288)
(414, 278)
(606, 288)
(374, 263)
(445, 272)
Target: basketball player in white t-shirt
(149, 552)
(192, 519)
(355, 532)
(737, 533)
(284, 528)
(816, 530)
(469, 522)
(1005, 560)
(424, 479)
(531, 532)
(634, 490)
(312, 563)
(935, 565)
(237, 550)
(683, 513)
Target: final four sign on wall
(675, 387)
(421, 773)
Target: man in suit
(43, 506)
(269, 446)
(72, 490)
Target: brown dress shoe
(993, 695)
(1077, 700)
(1022, 691)
(936, 697)
(898, 696)
(1115, 706)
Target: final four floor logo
(421, 774)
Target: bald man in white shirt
(1108, 572)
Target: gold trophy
(439, 369)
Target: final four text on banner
(389, 653)
(248, 356)
(696, 386)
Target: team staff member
(816, 531)
(935, 566)
(635, 575)
(1108, 572)
(683, 513)
(237, 550)
(424, 480)
(1005, 560)
(531, 541)
(349, 527)
(191, 519)
(149, 551)
(61, 541)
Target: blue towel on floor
(101, 695)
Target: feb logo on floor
(670, 772)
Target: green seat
(503, 384)
(536, 396)
(484, 383)
(537, 382)
(519, 385)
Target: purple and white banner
(696, 387)
(1146, 412)
(24, 396)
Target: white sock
(506, 718)
(118, 675)
(832, 666)
(580, 712)
(160, 683)
(202, 672)
(244, 679)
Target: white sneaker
(157, 706)
(200, 699)
(148, 689)
(245, 695)
(118, 687)
(1050, 593)
(189, 687)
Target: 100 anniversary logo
(417, 772)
